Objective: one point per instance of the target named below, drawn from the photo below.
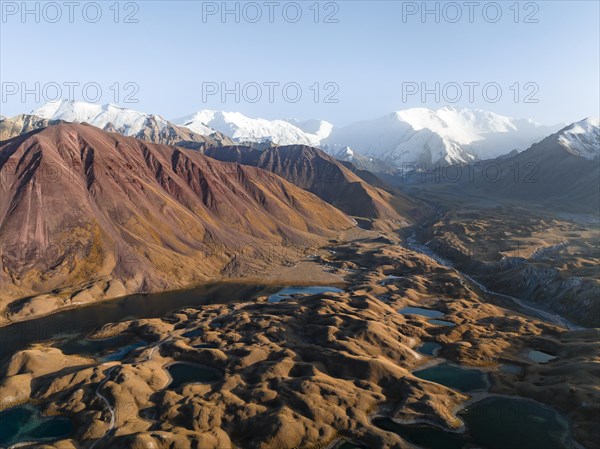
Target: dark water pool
(85, 346)
(429, 313)
(390, 279)
(492, 423)
(303, 290)
(193, 333)
(429, 348)
(500, 423)
(455, 377)
(105, 349)
(184, 373)
(25, 423)
(442, 323)
(510, 368)
(123, 351)
(539, 356)
(82, 321)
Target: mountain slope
(87, 214)
(317, 172)
(446, 136)
(562, 171)
(21, 124)
(369, 163)
(582, 138)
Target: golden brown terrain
(308, 371)
(551, 261)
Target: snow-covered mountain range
(128, 122)
(125, 121)
(244, 129)
(447, 135)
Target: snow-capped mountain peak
(446, 135)
(348, 151)
(245, 129)
(124, 121)
(345, 154)
(196, 122)
(582, 138)
(318, 128)
(463, 126)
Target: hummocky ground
(308, 371)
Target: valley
(232, 296)
(549, 261)
(300, 225)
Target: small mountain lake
(429, 313)
(442, 323)
(287, 292)
(455, 377)
(510, 368)
(83, 320)
(429, 348)
(106, 349)
(529, 423)
(183, 373)
(85, 346)
(540, 357)
(123, 351)
(493, 423)
(25, 423)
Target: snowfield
(446, 135)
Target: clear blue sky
(369, 53)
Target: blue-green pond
(105, 349)
(430, 348)
(429, 313)
(493, 423)
(510, 368)
(287, 292)
(455, 377)
(442, 323)
(25, 423)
